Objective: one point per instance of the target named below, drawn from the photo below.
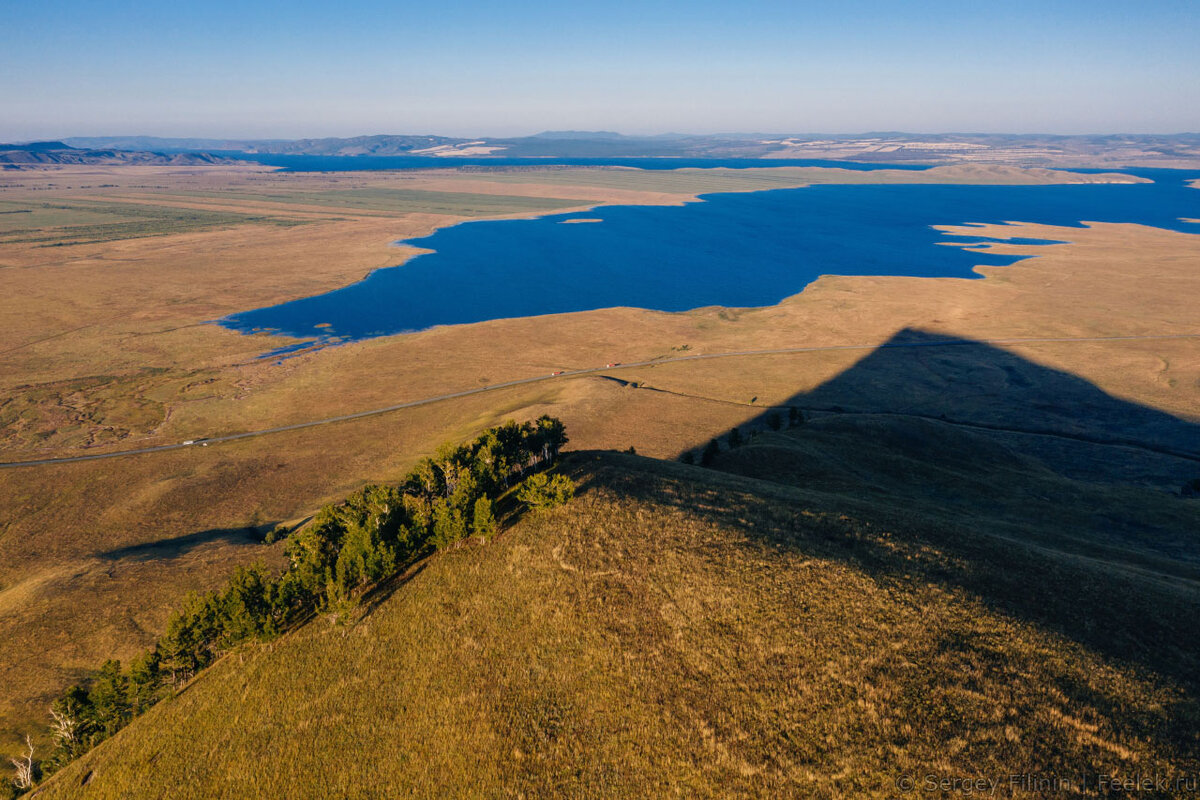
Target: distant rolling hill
(62, 153)
(835, 606)
(1175, 150)
(37, 147)
(381, 145)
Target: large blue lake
(738, 249)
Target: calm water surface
(738, 249)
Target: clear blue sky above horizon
(299, 69)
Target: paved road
(204, 442)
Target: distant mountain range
(12, 155)
(382, 145)
(1175, 150)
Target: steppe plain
(113, 274)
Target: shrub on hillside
(542, 491)
(484, 520)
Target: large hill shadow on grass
(974, 391)
(923, 374)
(973, 431)
(1032, 489)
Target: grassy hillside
(680, 630)
(1067, 457)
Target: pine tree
(143, 681)
(364, 558)
(484, 522)
(109, 698)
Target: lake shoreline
(446, 284)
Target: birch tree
(24, 777)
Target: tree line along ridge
(346, 550)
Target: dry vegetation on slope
(93, 556)
(679, 631)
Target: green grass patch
(17, 218)
(404, 201)
(62, 222)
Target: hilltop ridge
(678, 629)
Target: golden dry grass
(675, 631)
(104, 347)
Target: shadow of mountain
(179, 545)
(970, 430)
(927, 375)
(1128, 616)
(1043, 494)
(1067, 423)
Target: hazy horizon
(529, 134)
(473, 69)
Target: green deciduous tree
(449, 524)
(541, 491)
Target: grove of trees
(347, 549)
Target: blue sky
(296, 69)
